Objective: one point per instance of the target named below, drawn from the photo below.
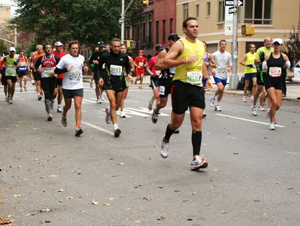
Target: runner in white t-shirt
(71, 65)
(224, 63)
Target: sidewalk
(293, 89)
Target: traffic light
(247, 30)
(130, 44)
(146, 2)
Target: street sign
(231, 2)
(232, 10)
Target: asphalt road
(52, 177)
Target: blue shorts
(218, 80)
(250, 76)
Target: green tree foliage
(294, 44)
(87, 21)
(3, 47)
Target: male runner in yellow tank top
(187, 55)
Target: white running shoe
(99, 101)
(49, 117)
(251, 98)
(198, 162)
(212, 101)
(59, 110)
(107, 117)
(91, 84)
(254, 111)
(261, 108)
(218, 108)
(244, 98)
(102, 97)
(10, 101)
(122, 114)
(272, 126)
(164, 149)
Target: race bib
(162, 90)
(141, 64)
(221, 69)
(172, 70)
(75, 75)
(47, 74)
(194, 78)
(275, 71)
(116, 70)
(10, 71)
(22, 64)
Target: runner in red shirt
(140, 62)
(59, 47)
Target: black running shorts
(72, 93)
(186, 95)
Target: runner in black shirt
(117, 67)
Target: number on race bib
(194, 77)
(275, 71)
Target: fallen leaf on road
(161, 218)
(95, 202)
(205, 204)
(60, 190)
(120, 164)
(52, 176)
(128, 209)
(177, 190)
(45, 210)
(70, 197)
(17, 195)
(147, 198)
(111, 199)
(106, 204)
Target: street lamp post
(234, 78)
(122, 19)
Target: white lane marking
(248, 120)
(146, 110)
(98, 128)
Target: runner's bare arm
(160, 58)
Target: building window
(157, 31)
(221, 11)
(144, 33)
(197, 11)
(258, 12)
(171, 25)
(150, 32)
(185, 11)
(208, 9)
(164, 31)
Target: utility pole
(234, 78)
(16, 34)
(122, 19)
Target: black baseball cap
(101, 44)
(159, 47)
(173, 36)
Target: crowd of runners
(184, 70)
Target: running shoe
(176, 131)
(272, 126)
(275, 120)
(268, 113)
(244, 98)
(212, 101)
(154, 116)
(198, 163)
(254, 111)
(51, 104)
(39, 97)
(6, 99)
(59, 110)
(164, 149)
(99, 101)
(117, 132)
(49, 117)
(251, 98)
(64, 121)
(78, 131)
(140, 86)
(150, 105)
(21, 90)
(10, 101)
(91, 84)
(107, 117)
(33, 83)
(261, 108)
(218, 108)
(25, 88)
(102, 96)
(204, 114)
(122, 114)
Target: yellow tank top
(191, 73)
(250, 60)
